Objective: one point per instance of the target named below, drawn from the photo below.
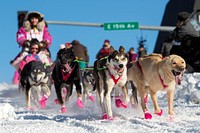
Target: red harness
(140, 67)
(66, 75)
(113, 77)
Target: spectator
(132, 55)
(166, 46)
(105, 50)
(80, 51)
(189, 48)
(142, 51)
(68, 45)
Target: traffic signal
(21, 16)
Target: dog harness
(140, 67)
(66, 75)
(113, 77)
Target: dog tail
(134, 99)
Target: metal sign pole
(157, 28)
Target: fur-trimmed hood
(27, 25)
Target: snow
(15, 118)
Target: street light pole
(157, 28)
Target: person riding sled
(34, 27)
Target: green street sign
(121, 26)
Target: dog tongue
(121, 70)
(179, 78)
(68, 68)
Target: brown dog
(154, 73)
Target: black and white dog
(36, 83)
(65, 74)
(88, 84)
(111, 73)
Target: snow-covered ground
(15, 118)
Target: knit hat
(67, 44)
(62, 46)
(182, 16)
(108, 41)
(35, 15)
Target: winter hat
(67, 44)
(35, 15)
(182, 16)
(108, 41)
(62, 46)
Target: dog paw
(110, 118)
(104, 116)
(147, 115)
(43, 102)
(124, 105)
(63, 109)
(118, 103)
(80, 103)
(159, 113)
(56, 101)
(91, 98)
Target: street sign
(121, 26)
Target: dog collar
(113, 77)
(65, 75)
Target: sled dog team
(148, 75)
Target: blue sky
(145, 12)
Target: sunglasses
(34, 48)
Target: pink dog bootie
(63, 109)
(79, 103)
(160, 113)
(56, 101)
(119, 103)
(104, 116)
(91, 97)
(147, 115)
(43, 101)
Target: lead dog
(35, 80)
(110, 73)
(153, 73)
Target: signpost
(121, 26)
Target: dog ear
(112, 55)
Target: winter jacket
(103, 53)
(132, 57)
(27, 59)
(27, 32)
(80, 51)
